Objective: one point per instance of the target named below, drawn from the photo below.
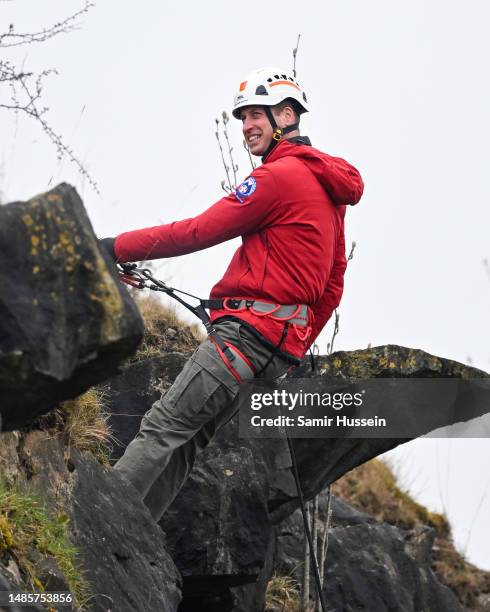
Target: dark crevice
(24, 459)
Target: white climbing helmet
(268, 87)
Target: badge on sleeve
(246, 189)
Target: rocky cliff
(68, 522)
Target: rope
(305, 522)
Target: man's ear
(286, 115)
(289, 115)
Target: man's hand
(107, 244)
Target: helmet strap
(290, 128)
(272, 121)
(277, 132)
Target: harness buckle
(277, 135)
(232, 304)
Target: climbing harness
(235, 360)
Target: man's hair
(292, 104)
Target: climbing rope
(305, 521)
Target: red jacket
(290, 215)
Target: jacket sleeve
(244, 211)
(330, 299)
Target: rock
(369, 565)
(343, 514)
(6, 585)
(387, 361)
(220, 528)
(251, 596)
(130, 394)
(288, 558)
(338, 456)
(67, 322)
(483, 603)
(13, 569)
(51, 576)
(123, 551)
(419, 543)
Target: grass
(25, 526)
(85, 424)
(282, 595)
(164, 329)
(372, 488)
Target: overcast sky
(400, 89)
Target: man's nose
(247, 124)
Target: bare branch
(225, 188)
(295, 53)
(351, 254)
(305, 594)
(25, 96)
(14, 39)
(234, 166)
(324, 544)
(21, 91)
(252, 163)
(228, 188)
(335, 332)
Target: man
(278, 292)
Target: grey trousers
(181, 424)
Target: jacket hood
(339, 179)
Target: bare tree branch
(352, 249)
(234, 166)
(295, 53)
(335, 332)
(21, 91)
(228, 186)
(324, 545)
(225, 186)
(252, 163)
(15, 39)
(305, 592)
